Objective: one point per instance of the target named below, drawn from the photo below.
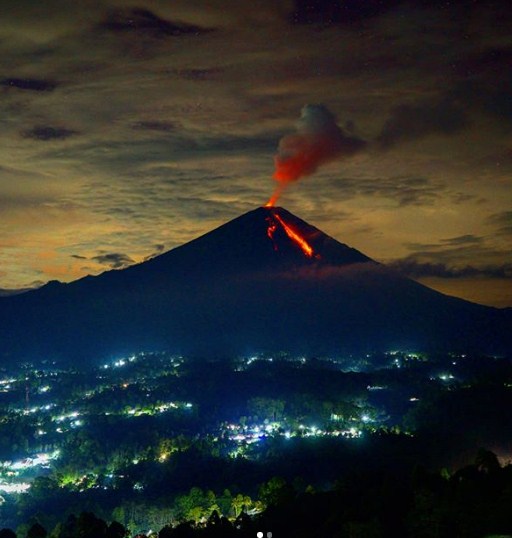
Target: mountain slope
(249, 285)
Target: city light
(20, 487)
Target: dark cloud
(460, 246)
(485, 81)
(491, 63)
(78, 257)
(462, 197)
(32, 84)
(467, 239)
(415, 268)
(417, 120)
(502, 221)
(155, 125)
(46, 133)
(498, 160)
(157, 250)
(408, 191)
(494, 98)
(405, 191)
(115, 260)
(230, 143)
(157, 199)
(198, 74)
(142, 20)
(461, 257)
(327, 12)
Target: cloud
(467, 239)
(328, 12)
(17, 291)
(463, 197)
(47, 132)
(491, 62)
(8, 293)
(502, 221)
(114, 260)
(141, 20)
(459, 257)
(403, 191)
(155, 125)
(158, 249)
(418, 120)
(199, 74)
(32, 84)
(458, 250)
(414, 268)
(485, 81)
(78, 257)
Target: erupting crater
(274, 219)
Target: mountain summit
(265, 238)
(265, 281)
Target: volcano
(265, 281)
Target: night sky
(129, 128)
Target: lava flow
(272, 227)
(291, 233)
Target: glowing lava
(272, 227)
(291, 233)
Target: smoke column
(317, 141)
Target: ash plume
(318, 140)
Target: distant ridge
(7, 292)
(247, 286)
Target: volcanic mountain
(265, 281)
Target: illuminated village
(159, 412)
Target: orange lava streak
(294, 236)
(272, 227)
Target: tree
(67, 530)
(241, 503)
(367, 529)
(116, 530)
(194, 506)
(266, 408)
(37, 531)
(224, 502)
(275, 491)
(89, 526)
(487, 461)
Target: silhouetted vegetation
(472, 502)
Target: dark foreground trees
(473, 502)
